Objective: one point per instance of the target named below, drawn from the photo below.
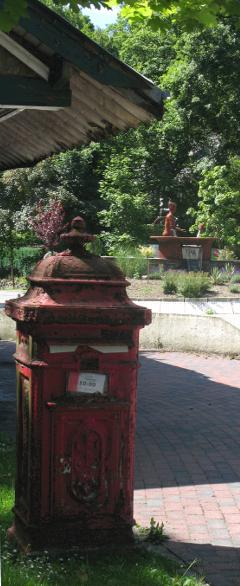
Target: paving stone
(191, 412)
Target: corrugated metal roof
(107, 95)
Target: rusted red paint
(75, 450)
(170, 247)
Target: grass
(129, 567)
(133, 568)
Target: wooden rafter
(18, 91)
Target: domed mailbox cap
(77, 286)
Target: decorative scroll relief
(86, 466)
(65, 465)
(88, 461)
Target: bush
(226, 277)
(226, 254)
(156, 275)
(234, 289)
(235, 278)
(217, 277)
(96, 246)
(170, 284)
(24, 260)
(131, 262)
(193, 284)
(228, 271)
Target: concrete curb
(191, 333)
(177, 325)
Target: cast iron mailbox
(76, 360)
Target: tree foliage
(12, 10)
(72, 14)
(187, 14)
(71, 177)
(219, 203)
(159, 13)
(199, 130)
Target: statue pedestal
(170, 247)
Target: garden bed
(141, 289)
(144, 289)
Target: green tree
(12, 10)
(13, 194)
(187, 14)
(127, 203)
(71, 13)
(203, 81)
(71, 177)
(159, 13)
(148, 51)
(219, 203)
(199, 130)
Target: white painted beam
(23, 55)
(20, 108)
(10, 114)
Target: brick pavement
(188, 458)
(187, 454)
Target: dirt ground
(144, 289)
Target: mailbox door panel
(90, 461)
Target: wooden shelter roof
(59, 89)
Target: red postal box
(77, 361)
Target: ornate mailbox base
(62, 537)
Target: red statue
(201, 230)
(170, 221)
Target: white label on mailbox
(87, 382)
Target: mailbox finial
(77, 237)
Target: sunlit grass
(132, 568)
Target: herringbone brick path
(188, 458)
